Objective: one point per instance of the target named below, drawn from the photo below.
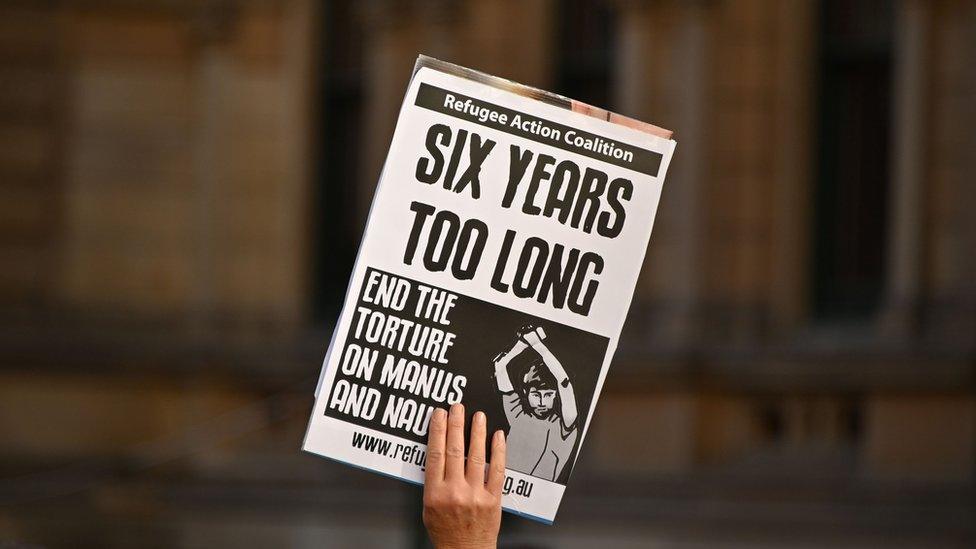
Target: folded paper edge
(540, 95)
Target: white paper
(425, 324)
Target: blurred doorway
(854, 120)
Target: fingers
(496, 472)
(475, 471)
(454, 459)
(436, 442)
(445, 451)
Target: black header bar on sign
(538, 129)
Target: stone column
(792, 133)
(662, 79)
(210, 71)
(397, 32)
(293, 239)
(906, 206)
(950, 264)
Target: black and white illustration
(534, 388)
(541, 410)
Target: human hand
(461, 509)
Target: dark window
(585, 48)
(339, 123)
(854, 135)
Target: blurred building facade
(183, 188)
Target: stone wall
(157, 175)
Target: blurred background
(183, 185)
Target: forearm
(568, 400)
(473, 545)
(502, 378)
(552, 363)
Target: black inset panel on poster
(484, 330)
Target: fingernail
(457, 408)
(440, 413)
(479, 418)
(500, 436)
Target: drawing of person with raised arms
(541, 412)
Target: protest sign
(499, 260)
